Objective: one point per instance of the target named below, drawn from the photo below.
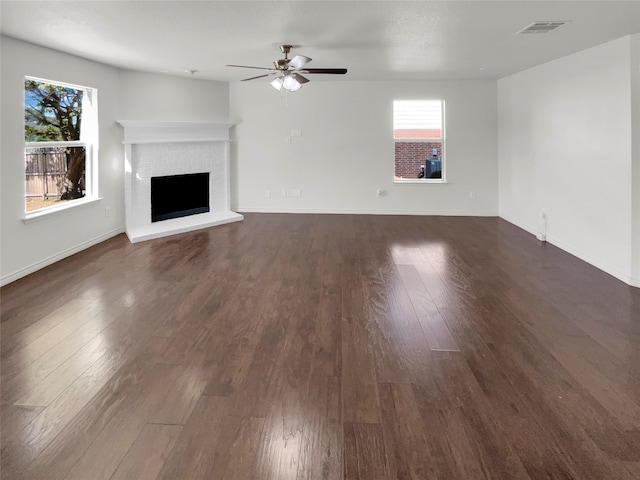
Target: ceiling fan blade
(253, 78)
(298, 62)
(339, 71)
(270, 74)
(247, 66)
(299, 78)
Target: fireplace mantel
(172, 132)
(172, 148)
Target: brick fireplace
(159, 149)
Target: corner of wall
(635, 158)
(532, 105)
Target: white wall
(346, 153)
(122, 95)
(163, 98)
(565, 147)
(26, 248)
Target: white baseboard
(631, 281)
(23, 272)
(338, 211)
(596, 263)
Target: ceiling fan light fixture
(295, 87)
(290, 83)
(277, 83)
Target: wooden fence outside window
(46, 169)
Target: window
(60, 126)
(418, 133)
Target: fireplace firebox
(177, 196)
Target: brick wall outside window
(410, 155)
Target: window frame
(88, 140)
(441, 139)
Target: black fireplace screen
(179, 196)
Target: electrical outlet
(107, 211)
(472, 195)
(267, 193)
(287, 139)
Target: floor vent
(542, 27)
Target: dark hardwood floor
(322, 347)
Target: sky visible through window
(52, 112)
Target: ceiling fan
(288, 71)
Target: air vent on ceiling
(542, 27)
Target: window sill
(49, 212)
(420, 180)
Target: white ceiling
(375, 40)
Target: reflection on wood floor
(322, 347)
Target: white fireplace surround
(155, 149)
